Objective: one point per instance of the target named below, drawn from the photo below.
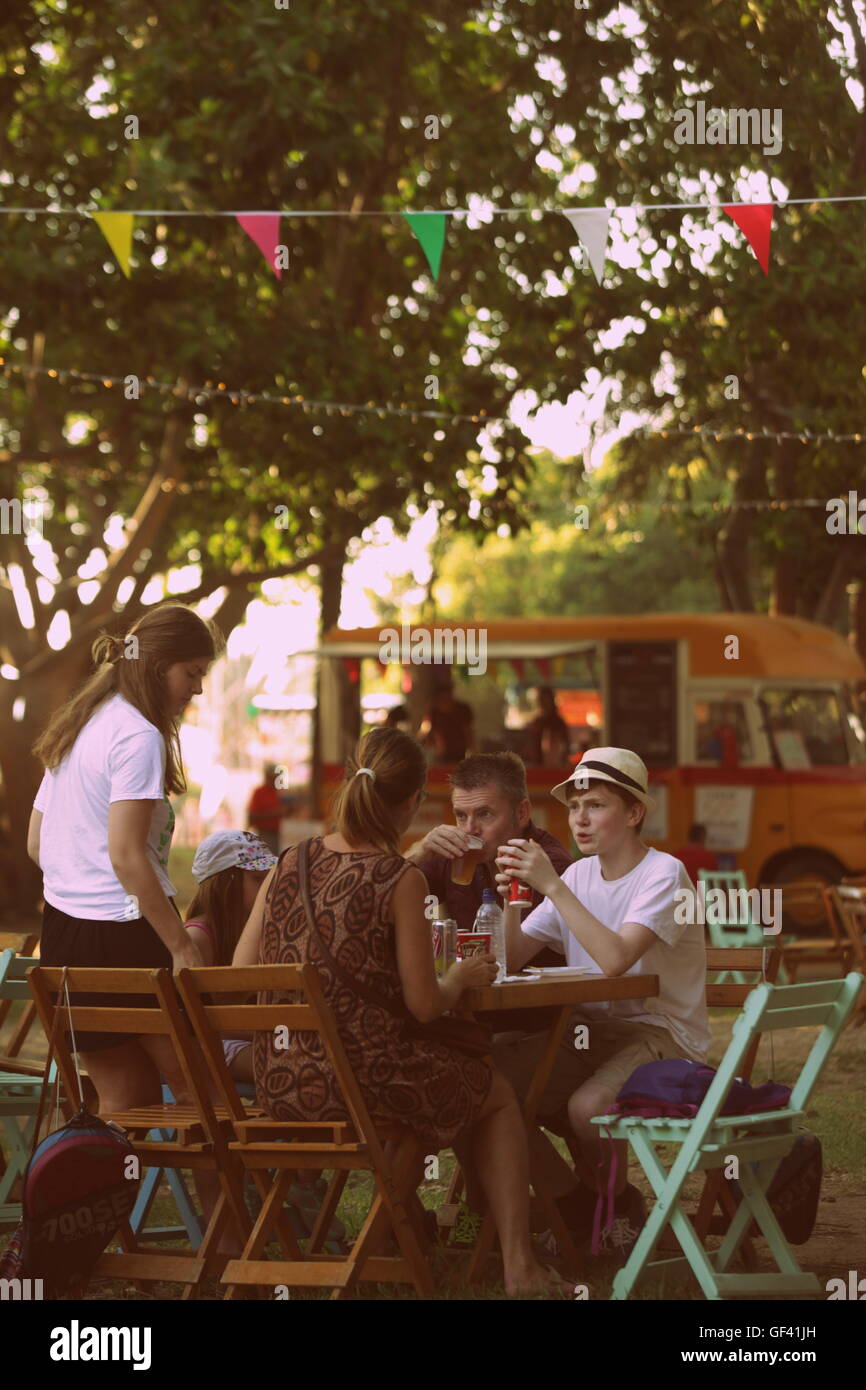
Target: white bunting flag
(591, 227)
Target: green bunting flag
(429, 228)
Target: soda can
(449, 944)
(438, 936)
(520, 894)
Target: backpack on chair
(79, 1187)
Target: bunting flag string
(590, 224)
(209, 391)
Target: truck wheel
(804, 912)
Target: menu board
(642, 700)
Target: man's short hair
(505, 770)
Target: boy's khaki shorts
(616, 1046)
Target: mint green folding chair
(759, 1142)
(733, 931)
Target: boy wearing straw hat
(612, 912)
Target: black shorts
(81, 941)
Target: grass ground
(837, 1244)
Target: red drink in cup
(473, 943)
(520, 894)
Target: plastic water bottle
(490, 918)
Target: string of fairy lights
(212, 390)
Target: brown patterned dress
(427, 1086)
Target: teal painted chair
(759, 1142)
(20, 1084)
(725, 932)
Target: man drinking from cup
(491, 806)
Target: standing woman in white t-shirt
(101, 830)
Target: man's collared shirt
(463, 900)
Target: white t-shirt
(678, 957)
(118, 756)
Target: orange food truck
(751, 725)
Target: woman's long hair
(364, 806)
(220, 901)
(134, 666)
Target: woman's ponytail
(386, 768)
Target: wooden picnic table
(531, 992)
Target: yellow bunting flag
(116, 227)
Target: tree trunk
(827, 607)
(783, 599)
(733, 560)
(22, 773)
(857, 617)
(330, 598)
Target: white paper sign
(727, 814)
(655, 822)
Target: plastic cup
(463, 869)
(473, 943)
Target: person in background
(695, 854)
(101, 830)
(266, 810)
(547, 737)
(398, 718)
(229, 868)
(379, 943)
(447, 728)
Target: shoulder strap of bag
(351, 981)
(52, 1042)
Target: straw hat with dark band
(617, 765)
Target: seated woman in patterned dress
(368, 905)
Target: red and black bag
(79, 1186)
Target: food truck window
(805, 727)
(721, 732)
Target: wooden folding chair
(759, 1142)
(199, 1139)
(846, 906)
(273, 1151)
(808, 900)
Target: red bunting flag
(264, 229)
(754, 221)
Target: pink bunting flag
(754, 221)
(264, 229)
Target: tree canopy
(536, 106)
